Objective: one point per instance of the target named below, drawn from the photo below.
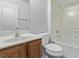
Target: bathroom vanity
(28, 49)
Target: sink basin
(12, 38)
(6, 38)
(16, 39)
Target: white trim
(49, 16)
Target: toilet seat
(53, 49)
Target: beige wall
(39, 16)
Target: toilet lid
(53, 47)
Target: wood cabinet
(32, 49)
(35, 49)
(13, 52)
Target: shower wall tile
(70, 22)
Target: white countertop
(26, 39)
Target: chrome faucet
(17, 34)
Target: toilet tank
(45, 38)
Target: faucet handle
(75, 31)
(17, 27)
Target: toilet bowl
(53, 50)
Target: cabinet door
(4, 56)
(13, 52)
(10, 53)
(35, 49)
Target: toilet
(54, 50)
(51, 48)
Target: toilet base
(50, 56)
(46, 55)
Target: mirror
(14, 13)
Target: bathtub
(70, 47)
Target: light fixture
(71, 14)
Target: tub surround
(70, 47)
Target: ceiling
(67, 3)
